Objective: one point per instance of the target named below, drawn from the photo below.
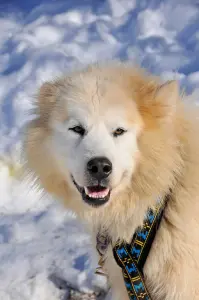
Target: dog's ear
(166, 97)
(46, 99)
(159, 103)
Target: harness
(132, 257)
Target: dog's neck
(120, 223)
(141, 239)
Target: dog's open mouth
(96, 195)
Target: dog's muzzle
(97, 193)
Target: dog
(108, 140)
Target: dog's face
(95, 143)
(100, 132)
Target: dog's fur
(159, 152)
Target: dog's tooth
(86, 190)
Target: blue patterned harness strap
(132, 257)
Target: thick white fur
(160, 151)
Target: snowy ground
(39, 242)
(42, 247)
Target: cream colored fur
(168, 157)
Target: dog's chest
(152, 275)
(109, 267)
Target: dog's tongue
(96, 192)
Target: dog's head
(89, 128)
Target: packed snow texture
(43, 247)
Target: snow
(42, 246)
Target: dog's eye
(78, 129)
(119, 131)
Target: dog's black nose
(99, 167)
